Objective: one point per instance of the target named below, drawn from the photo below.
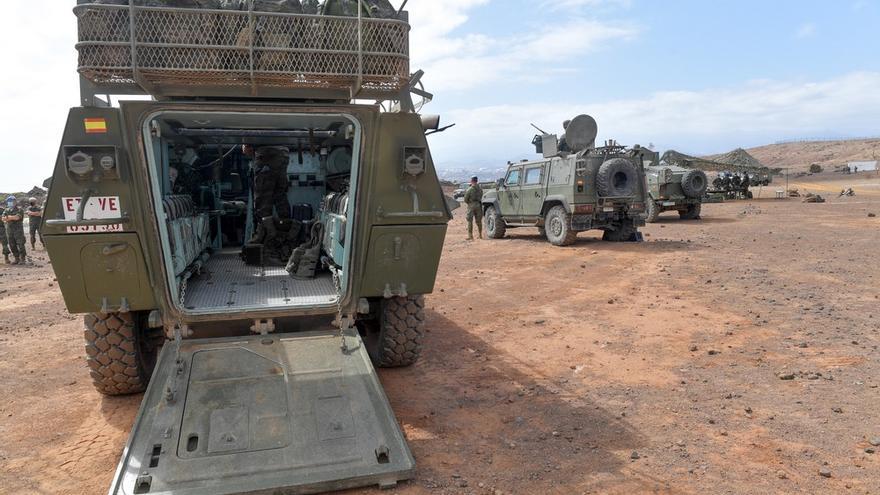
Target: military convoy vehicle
(256, 381)
(673, 188)
(575, 187)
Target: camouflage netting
(738, 159)
(370, 8)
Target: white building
(863, 166)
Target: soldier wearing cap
(13, 220)
(35, 220)
(473, 199)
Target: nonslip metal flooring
(227, 283)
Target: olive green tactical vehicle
(576, 187)
(673, 189)
(256, 381)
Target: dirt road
(737, 354)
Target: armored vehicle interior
(202, 180)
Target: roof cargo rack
(183, 52)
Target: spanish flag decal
(96, 126)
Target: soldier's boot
(6, 259)
(16, 261)
(480, 230)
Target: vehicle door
(532, 191)
(509, 195)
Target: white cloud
(457, 62)
(558, 5)
(805, 30)
(478, 60)
(38, 87)
(698, 121)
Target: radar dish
(581, 133)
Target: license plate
(669, 203)
(608, 209)
(97, 208)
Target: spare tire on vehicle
(694, 183)
(617, 178)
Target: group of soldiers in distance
(12, 235)
(733, 184)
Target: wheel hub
(556, 227)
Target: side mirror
(430, 122)
(500, 184)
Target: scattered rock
(781, 474)
(872, 215)
(713, 352)
(825, 473)
(870, 450)
(875, 441)
(786, 376)
(635, 455)
(693, 348)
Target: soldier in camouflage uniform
(3, 240)
(35, 220)
(473, 199)
(270, 186)
(13, 219)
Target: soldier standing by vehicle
(473, 198)
(3, 239)
(13, 218)
(35, 216)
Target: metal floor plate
(227, 284)
(283, 414)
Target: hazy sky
(696, 76)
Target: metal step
(279, 414)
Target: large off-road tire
(652, 210)
(617, 178)
(692, 213)
(625, 232)
(396, 337)
(120, 354)
(495, 227)
(694, 184)
(557, 227)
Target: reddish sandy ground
(599, 368)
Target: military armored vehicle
(256, 381)
(575, 187)
(673, 188)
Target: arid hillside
(799, 156)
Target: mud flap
(298, 413)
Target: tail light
(637, 207)
(583, 209)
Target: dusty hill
(799, 156)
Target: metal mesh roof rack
(180, 52)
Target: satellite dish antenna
(581, 133)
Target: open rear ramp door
(277, 414)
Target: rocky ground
(737, 354)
